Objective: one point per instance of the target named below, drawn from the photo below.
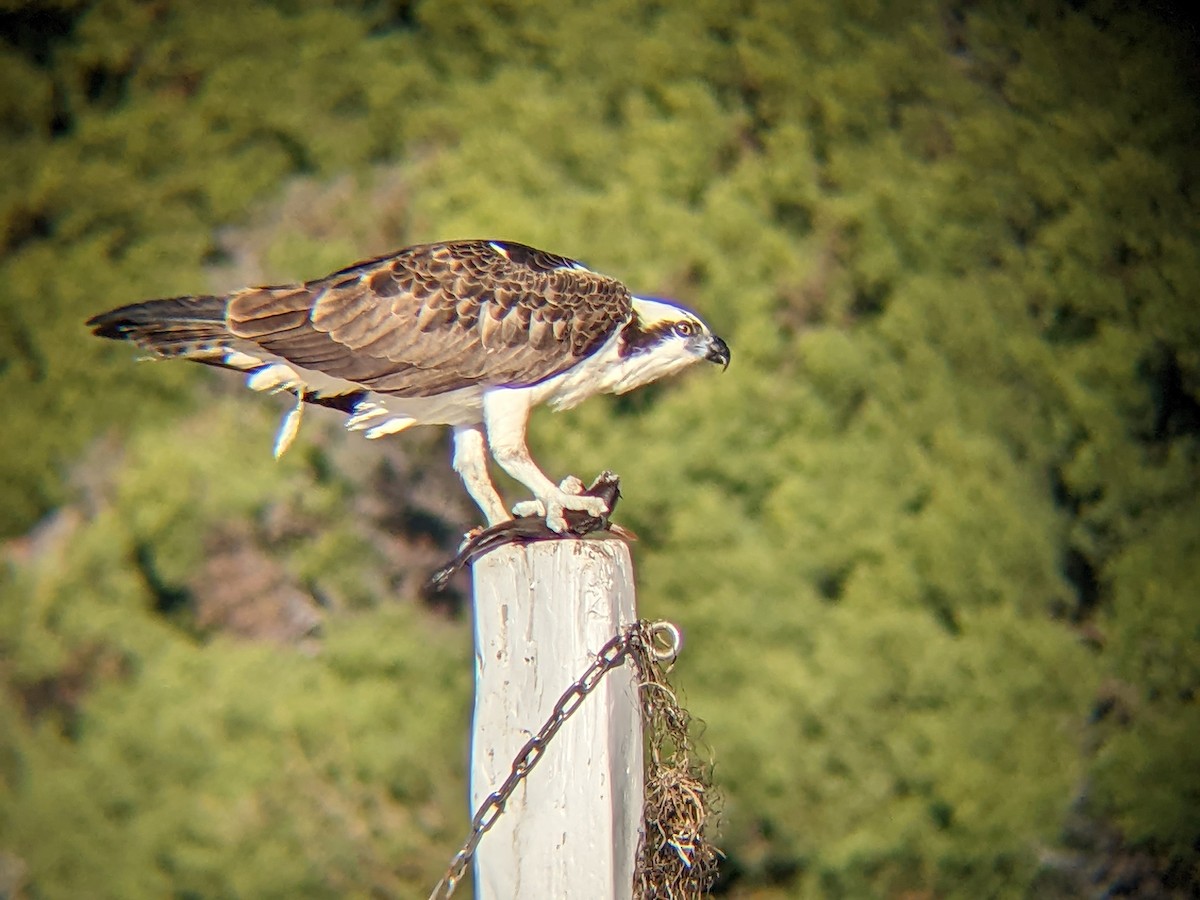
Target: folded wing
(438, 317)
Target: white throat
(608, 372)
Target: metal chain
(611, 655)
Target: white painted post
(542, 612)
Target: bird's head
(662, 338)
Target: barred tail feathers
(196, 328)
(176, 326)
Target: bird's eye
(685, 329)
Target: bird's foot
(569, 495)
(572, 485)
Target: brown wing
(437, 317)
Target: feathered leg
(471, 464)
(505, 414)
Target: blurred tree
(933, 536)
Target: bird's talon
(572, 485)
(529, 508)
(553, 508)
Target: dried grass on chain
(675, 859)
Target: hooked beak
(718, 351)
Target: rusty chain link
(637, 637)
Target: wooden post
(542, 611)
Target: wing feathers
(332, 310)
(253, 303)
(384, 283)
(541, 333)
(513, 330)
(433, 317)
(428, 319)
(491, 329)
(275, 323)
(371, 325)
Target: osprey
(469, 334)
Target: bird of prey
(470, 334)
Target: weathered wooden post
(571, 829)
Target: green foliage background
(934, 538)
